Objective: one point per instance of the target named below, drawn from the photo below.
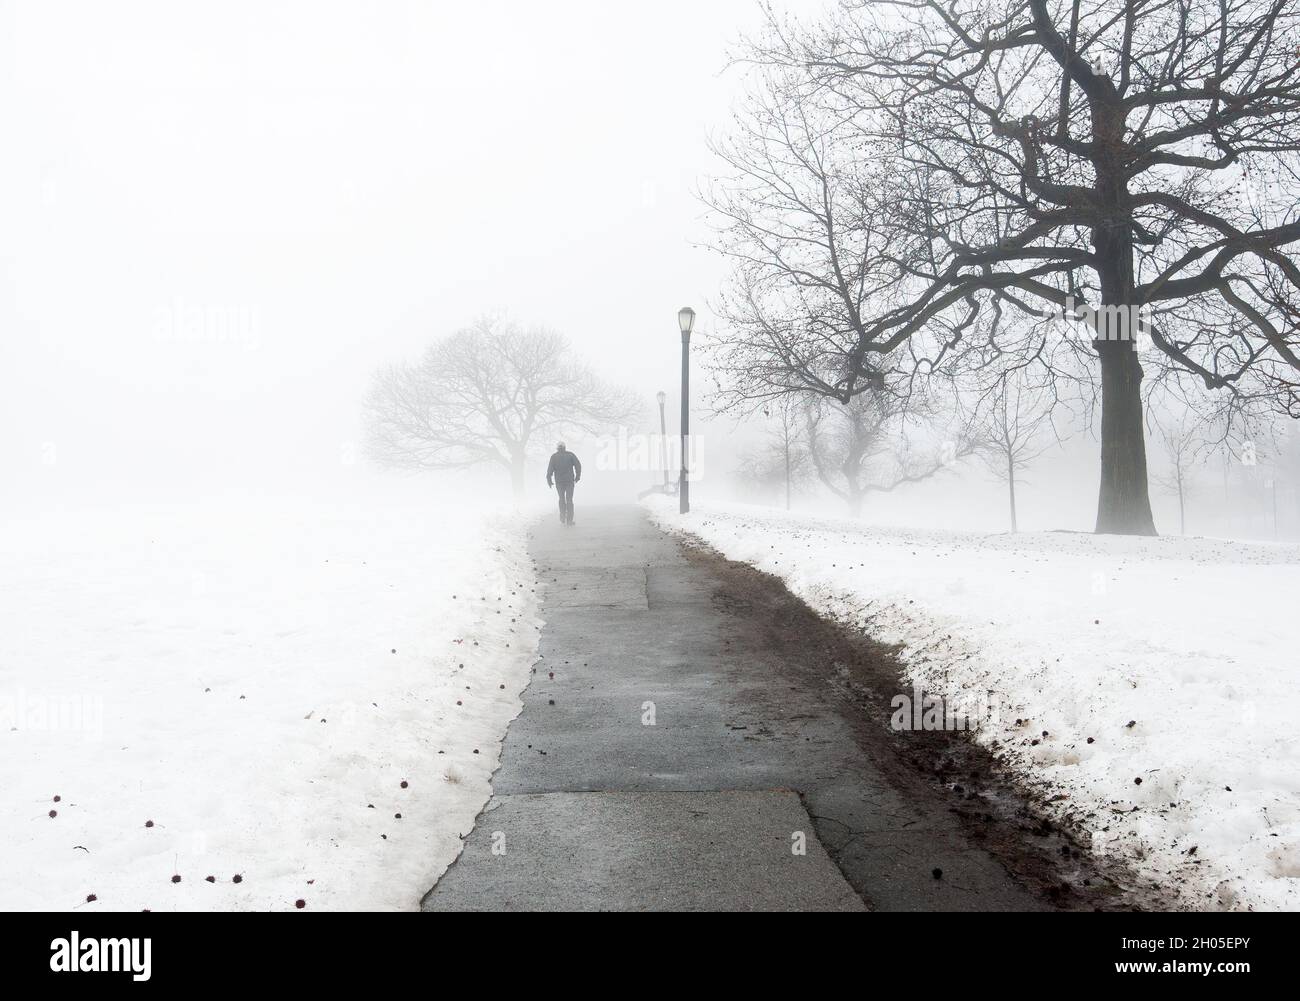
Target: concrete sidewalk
(663, 765)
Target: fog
(220, 220)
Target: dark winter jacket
(565, 468)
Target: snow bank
(303, 705)
(1177, 657)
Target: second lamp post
(662, 397)
(685, 322)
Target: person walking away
(563, 471)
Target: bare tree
(1288, 463)
(1183, 445)
(1015, 425)
(489, 394)
(869, 445)
(782, 459)
(1270, 462)
(1076, 157)
(800, 217)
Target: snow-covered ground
(300, 703)
(1092, 663)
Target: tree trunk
(1124, 504)
(1182, 510)
(1011, 487)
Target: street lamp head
(662, 397)
(686, 319)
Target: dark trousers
(565, 490)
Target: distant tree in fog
(1183, 444)
(1289, 465)
(1188, 430)
(864, 446)
(1270, 461)
(491, 394)
(782, 460)
(1014, 426)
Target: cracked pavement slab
(637, 851)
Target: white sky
(342, 182)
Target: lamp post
(685, 322)
(662, 397)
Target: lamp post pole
(685, 322)
(662, 397)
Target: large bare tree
(1128, 163)
(492, 394)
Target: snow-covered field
(273, 705)
(1093, 663)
